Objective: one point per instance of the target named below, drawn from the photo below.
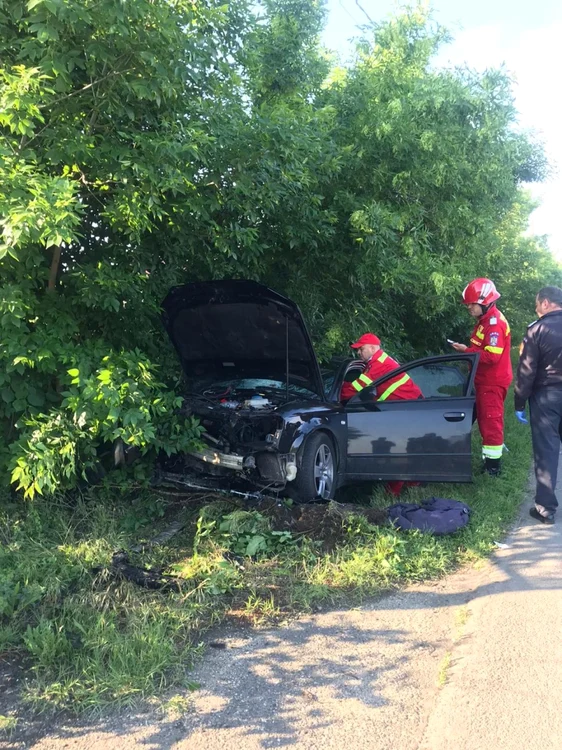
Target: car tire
(316, 477)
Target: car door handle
(454, 416)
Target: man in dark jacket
(539, 381)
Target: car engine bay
(237, 418)
(241, 433)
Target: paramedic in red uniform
(378, 364)
(492, 338)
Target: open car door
(427, 439)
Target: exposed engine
(237, 420)
(241, 431)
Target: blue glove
(521, 417)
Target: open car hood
(234, 329)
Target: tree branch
(87, 86)
(358, 4)
(55, 262)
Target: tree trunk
(51, 286)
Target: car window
(353, 372)
(330, 372)
(442, 379)
(436, 380)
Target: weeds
(91, 641)
(444, 667)
(175, 707)
(241, 531)
(8, 725)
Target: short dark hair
(552, 294)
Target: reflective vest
(492, 338)
(400, 387)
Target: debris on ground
(501, 545)
(322, 522)
(121, 567)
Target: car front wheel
(316, 477)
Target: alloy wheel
(324, 471)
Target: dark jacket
(540, 363)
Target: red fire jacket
(400, 387)
(492, 338)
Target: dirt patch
(321, 522)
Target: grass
(8, 725)
(86, 641)
(462, 616)
(444, 669)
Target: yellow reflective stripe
(383, 357)
(480, 335)
(492, 451)
(361, 382)
(494, 349)
(475, 342)
(504, 320)
(393, 387)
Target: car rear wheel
(316, 477)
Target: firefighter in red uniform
(492, 338)
(378, 363)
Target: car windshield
(328, 376)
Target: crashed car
(273, 420)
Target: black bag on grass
(436, 515)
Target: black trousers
(546, 429)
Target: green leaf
(7, 395)
(256, 543)
(36, 399)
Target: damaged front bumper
(266, 466)
(224, 460)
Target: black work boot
(493, 466)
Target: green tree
(105, 111)
(153, 142)
(431, 166)
(522, 264)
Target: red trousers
(489, 414)
(395, 486)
